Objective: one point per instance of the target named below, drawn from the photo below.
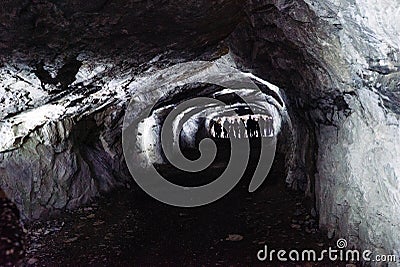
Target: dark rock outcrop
(12, 235)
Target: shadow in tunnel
(130, 228)
(220, 163)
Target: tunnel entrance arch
(219, 73)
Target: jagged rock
(234, 237)
(12, 235)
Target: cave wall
(338, 63)
(358, 170)
(363, 162)
(358, 173)
(64, 162)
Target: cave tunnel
(273, 125)
(200, 121)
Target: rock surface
(63, 149)
(339, 64)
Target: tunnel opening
(236, 116)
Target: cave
(98, 99)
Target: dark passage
(129, 228)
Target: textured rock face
(358, 175)
(358, 171)
(358, 187)
(64, 163)
(338, 62)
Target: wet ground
(129, 228)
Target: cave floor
(129, 228)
